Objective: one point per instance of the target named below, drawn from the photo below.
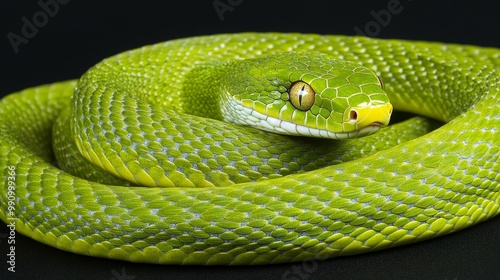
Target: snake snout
(369, 115)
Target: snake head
(306, 94)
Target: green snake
(177, 153)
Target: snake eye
(381, 82)
(301, 95)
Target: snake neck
(201, 92)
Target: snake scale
(190, 189)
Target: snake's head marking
(307, 94)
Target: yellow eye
(381, 82)
(301, 95)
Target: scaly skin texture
(441, 182)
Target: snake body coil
(248, 197)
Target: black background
(82, 33)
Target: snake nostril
(353, 115)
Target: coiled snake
(189, 182)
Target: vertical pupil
(301, 93)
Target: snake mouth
(368, 130)
(368, 120)
(379, 124)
